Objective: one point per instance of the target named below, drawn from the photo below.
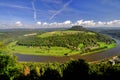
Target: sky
(59, 13)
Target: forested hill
(76, 38)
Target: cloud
(45, 23)
(100, 24)
(15, 6)
(39, 23)
(67, 22)
(85, 23)
(18, 23)
(62, 9)
(113, 23)
(34, 11)
(91, 23)
(62, 24)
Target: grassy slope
(59, 33)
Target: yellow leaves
(26, 70)
(37, 69)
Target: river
(89, 58)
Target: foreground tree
(76, 70)
(7, 69)
(51, 74)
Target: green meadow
(55, 51)
(60, 33)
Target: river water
(89, 58)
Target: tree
(76, 70)
(7, 63)
(51, 74)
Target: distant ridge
(78, 28)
